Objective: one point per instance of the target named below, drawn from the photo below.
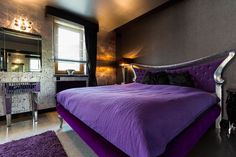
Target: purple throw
(139, 119)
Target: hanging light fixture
(22, 24)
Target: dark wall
(184, 31)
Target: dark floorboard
(215, 143)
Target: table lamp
(124, 63)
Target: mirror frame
(23, 35)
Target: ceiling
(110, 14)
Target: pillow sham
(155, 78)
(181, 79)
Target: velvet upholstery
(202, 74)
(140, 73)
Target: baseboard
(29, 113)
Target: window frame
(35, 70)
(60, 23)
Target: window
(69, 44)
(35, 64)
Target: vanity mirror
(20, 51)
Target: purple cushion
(202, 74)
(140, 73)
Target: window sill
(66, 75)
(61, 77)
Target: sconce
(22, 24)
(124, 63)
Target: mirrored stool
(12, 88)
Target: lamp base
(123, 75)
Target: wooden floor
(213, 144)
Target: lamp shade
(125, 61)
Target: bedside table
(231, 108)
(64, 82)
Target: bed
(148, 120)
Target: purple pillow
(140, 73)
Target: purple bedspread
(138, 119)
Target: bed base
(178, 147)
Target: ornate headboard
(206, 72)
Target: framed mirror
(20, 51)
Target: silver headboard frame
(219, 81)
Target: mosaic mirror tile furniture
(11, 88)
(20, 52)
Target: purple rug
(43, 145)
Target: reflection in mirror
(23, 63)
(20, 52)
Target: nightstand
(64, 82)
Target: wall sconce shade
(22, 24)
(125, 61)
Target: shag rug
(43, 145)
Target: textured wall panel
(106, 57)
(34, 11)
(9, 10)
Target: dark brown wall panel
(184, 31)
